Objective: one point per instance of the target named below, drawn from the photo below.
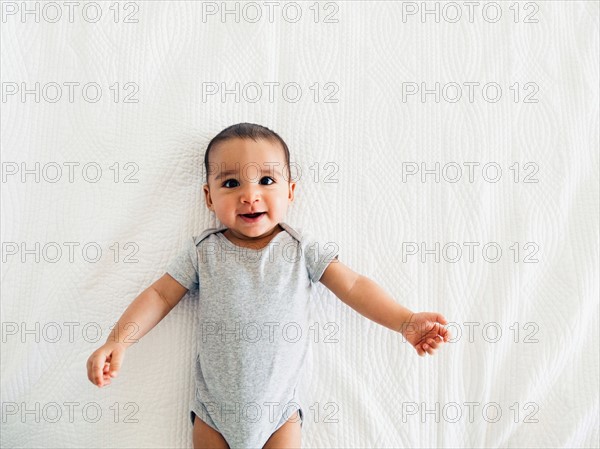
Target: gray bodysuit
(252, 328)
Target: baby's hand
(425, 332)
(105, 363)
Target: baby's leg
(287, 436)
(205, 437)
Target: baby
(254, 276)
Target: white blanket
(493, 171)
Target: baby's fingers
(95, 366)
(429, 349)
(105, 377)
(445, 333)
(432, 343)
(116, 359)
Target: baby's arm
(422, 330)
(145, 312)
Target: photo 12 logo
(271, 11)
(269, 331)
(53, 172)
(269, 91)
(468, 91)
(70, 12)
(272, 411)
(453, 172)
(472, 411)
(490, 332)
(66, 332)
(453, 252)
(69, 411)
(54, 252)
(471, 12)
(69, 91)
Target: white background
(353, 143)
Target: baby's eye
(262, 179)
(268, 177)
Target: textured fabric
(252, 328)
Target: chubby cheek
(229, 211)
(281, 203)
(224, 209)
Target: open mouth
(258, 214)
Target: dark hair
(248, 131)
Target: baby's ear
(207, 197)
(292, 186)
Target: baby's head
(247, 171)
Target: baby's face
(246, 177)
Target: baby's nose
(250, 194)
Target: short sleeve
(184, 266)
(318, 253)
